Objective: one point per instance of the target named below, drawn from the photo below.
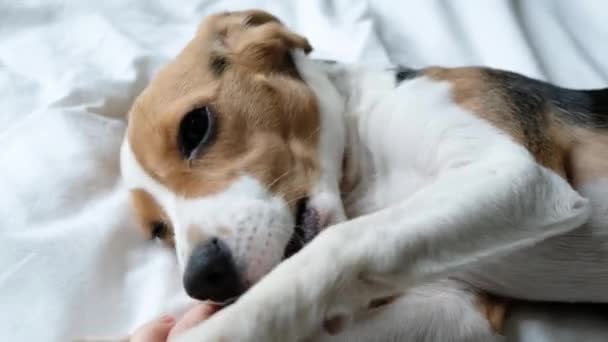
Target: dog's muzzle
(212, 272)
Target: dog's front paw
(319, 287)
(284, 306)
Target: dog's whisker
(277, 179)
(292, 200)
(313, 133)
(296, 189)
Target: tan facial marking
(267, 118)
(149, 214)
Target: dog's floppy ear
(253, 38)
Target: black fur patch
(527, 101)
(583, 107)
(530, 98)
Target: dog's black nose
(211, 273)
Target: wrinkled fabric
(72, 262)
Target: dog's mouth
(308, 225)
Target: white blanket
(72, 263)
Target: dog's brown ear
(254, 38)
(267, 45)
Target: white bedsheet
(71, 262)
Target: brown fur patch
(579, 154)
(535, 128)
(494, 309)
(149, 213)
(267, 119)
(588, 157)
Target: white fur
(569, 267)
(260, 224)
(439, 190)
(442, 311)
(325, 195)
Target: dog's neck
(361, 89)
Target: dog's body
(565, 131)
(441, 172)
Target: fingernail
(167, 319)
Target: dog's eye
(195, 131)
(159, 229)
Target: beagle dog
(331, 202)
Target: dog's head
(230, 157)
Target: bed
(72, 263)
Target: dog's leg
(445, 311)
(495, 204)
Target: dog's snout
(211, 273)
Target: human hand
(167, 327)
